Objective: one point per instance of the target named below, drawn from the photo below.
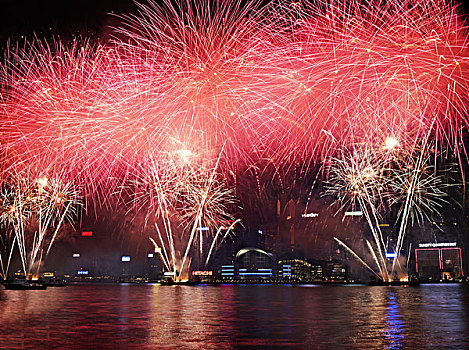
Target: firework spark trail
(291, 83)
(382, 269)
(356, 179)
(39, 204)
(181, 194)
(378, 180)
(423, 196)
(164, 258)
(356, 256)
(201, 211)
(215, 241)
(5, 269)
(373, 224)
(16, 212)
(346, 71)
(7, 218)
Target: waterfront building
(317, 272)
(268, 238)
(438, 261)
(254, 263)
(294, 269)
(152, 267)
(335, 271)
(227, 272)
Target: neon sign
(309, 215)
(437, 245)
(353, 213)
(202, 273)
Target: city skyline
(253, 158)
(248, 174)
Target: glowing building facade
(438, 261)
(295, 269)
(255, 263)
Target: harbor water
(152, 316)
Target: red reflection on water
(233, 317)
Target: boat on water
(394, 283)
(55, 283)
(23, 284)
(170, 282)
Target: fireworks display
(35, 208)
(185, 200)
(187, 94)
(374, 182)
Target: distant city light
(76, 255)
(353, 213)
(267, 273)
(150, 255)
(391, 255)
(309, 215)
(125, 258)
(259, 232)
(227, 270)
(170, 273)
(82, 272)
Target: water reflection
(395, 325)
(235, 317)
(446, 302)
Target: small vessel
(23, 284)
(394, 283)
(170, 282)
(55, 283)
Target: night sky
(67, 18)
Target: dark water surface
(236, 317)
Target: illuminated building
(202, 275)
(438, 261)
(317, 272)
(268, 238)
(82, 274)
(125, 259)
(294, 269)
(254, 263)
(152, 267)
(335, 271)
(227, 272)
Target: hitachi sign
(201, 273)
